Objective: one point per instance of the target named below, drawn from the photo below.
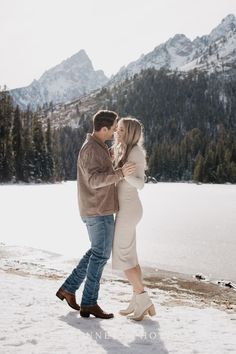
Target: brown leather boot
(70, 298)
(96, 311)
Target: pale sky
(36, 35)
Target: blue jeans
(101, 232)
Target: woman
(128, 147)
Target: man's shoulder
(92, 151)
(89, 145)
(86, 149)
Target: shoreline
(179, 288)
(185, 289)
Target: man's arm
(92, 169)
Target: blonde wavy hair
(133, 136)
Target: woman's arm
(137, 178)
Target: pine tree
(59, 171)
(6, 152)
(8, 162)
(232, 172)
(17, 143)
(49, 155)
(28, 164)
(39, 148)
(198, 169)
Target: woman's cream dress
(124, 254)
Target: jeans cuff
(83, 304)
(68, 290)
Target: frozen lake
(185, 228)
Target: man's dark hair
(104, 119)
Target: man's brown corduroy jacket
(96, 179)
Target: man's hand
(128, 168)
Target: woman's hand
(128, 168)
(112, 155)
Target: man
(98, 202)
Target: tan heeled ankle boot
(143, 306)
(130, 307)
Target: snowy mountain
(75, 77)
(71, 79)
(217, 51)
(213, 52)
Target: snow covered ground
(185, 227)
(33, 320)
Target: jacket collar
(91, 137)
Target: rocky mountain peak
(66, 81)
(75, 76)
(226, 25)
(180, 53)
(178, 38)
